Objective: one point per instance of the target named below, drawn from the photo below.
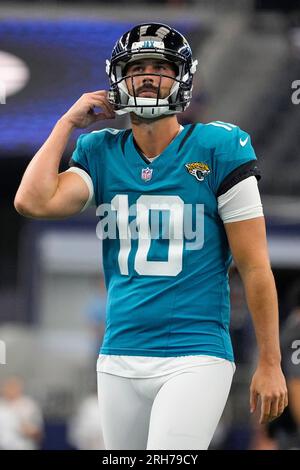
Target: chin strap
(146, 107)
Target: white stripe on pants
(175, 411)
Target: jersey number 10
(144, 204)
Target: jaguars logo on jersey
(198, 169)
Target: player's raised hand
(268, 384)
(82, 114)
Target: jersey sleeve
(79, 164)
(79, 157)
(235, 160)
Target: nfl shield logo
(147, 174)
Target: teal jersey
(165, 251)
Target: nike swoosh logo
(243, 142)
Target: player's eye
(161, 67)
(138, 69)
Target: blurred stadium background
(52, 300)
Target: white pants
(177, 411)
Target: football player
(175, 204)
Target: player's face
(146, 86)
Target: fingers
(253, 400)
(101, 102)
(282, 405)
(84, 112)
(98, 99)
(286, 399)
(99, 93)
(268, 384)
(265, 410)
(103, 97)
(272, 408)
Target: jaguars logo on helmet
(151, 40)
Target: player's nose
(149, 69)
(148, 77)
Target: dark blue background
(66, 58)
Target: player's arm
(43, 192)
(46, 193)
(248, 243)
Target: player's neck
(153, 137)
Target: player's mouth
(147, 93)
